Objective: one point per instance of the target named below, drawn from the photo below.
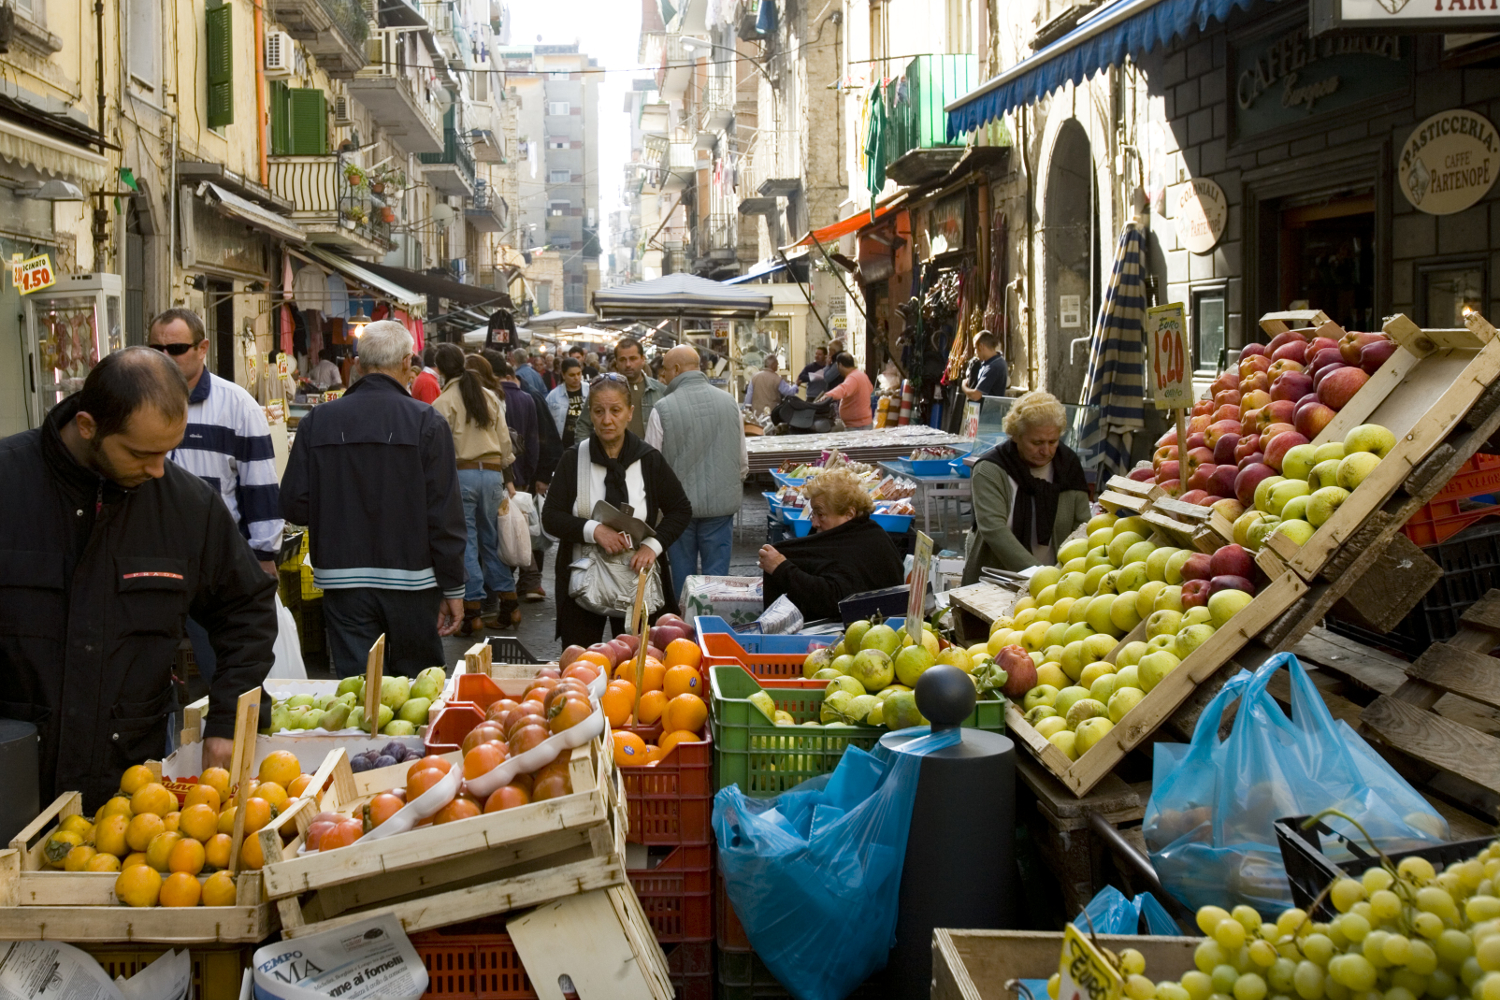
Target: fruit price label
(921, 565)
(35, 274)
(1084, 972)
(1170, 371)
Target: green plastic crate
(765, 759)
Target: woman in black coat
(848, 554)
(624, 470)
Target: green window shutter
(281, 119)
(309, 121)
(220, 66)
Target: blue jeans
(482, 490)
(708, 538)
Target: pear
(429, 683)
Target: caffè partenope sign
(1448, 163)
(1200, 211)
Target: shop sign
(1199, 211)
(1283, 79)
(945, 224)
(1083, 971)
(1449, 162)
(33, 275)
(1171, 361)
(1070, 311)
(1405, 15)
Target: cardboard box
(738, 600)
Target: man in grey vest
(699, 430)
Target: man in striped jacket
(227, 445)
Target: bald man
(699, 430)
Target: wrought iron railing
(455, 153)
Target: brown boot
(489, 610)
(472, 622)
(510, 609)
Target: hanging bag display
(598, 581)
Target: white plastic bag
(528, 506)
(515, 534)
(288, 665)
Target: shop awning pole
(826, 332)
(857, 304)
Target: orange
(218, 779)
(683, 652)
(117, 806)
(78, 858)
(159, 851)
(683, 679)
(139, 885)
(655, 673)
(102, 863)
(132, 859)
(670, 740)
(258, 813)
(142, 829)
(109, 836)
(281, 767)
(187, 856)
(653, 703)
(201, 794)
(153, 798)
(619, 702)
(180, 889)
(216, 850)
(653, 753)
(297, 787)
(686, 711)
(172, 819)
(590, 656)
(630, 749)
(199, 822)
(274, 794)
(218, 890)
(135, 778)
(226, 820)
(250, 854)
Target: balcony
(917, 146)
(334, 31)
(332, 211)
(448, 31)
(676, 69)
(716, 104)
(450, 172)
(407, 110)
(401, 14)
(679, 167)
(488, 213)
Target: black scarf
(1035, 508)
(616, 492)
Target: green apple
(1156, 563)
(1130, 677)
(1093, 671)
(1073, 548)
(1163, 623)
(1090, 732)
(1324, 474)
(1134, 523)
(1295, 509)
(1097, 556)
(1101, 617)
(1190, 638)
(1042, 694)
(1145, 599)
(1327, 450)
(1043, 578)
(1263, 492)
(1299, 461)
(1084, 709)
(1077, 632)
(1123, 611)
(1282, 493)
(1071, 584)
(1068, 696)
(1174, 566)
(1097, 647)
(1079, 610)
(1103, 519)
(1095, 576)
(1100, 538)
(1139, 552)
(1226, 604)
(1048, 595)
(1322, 504)
(1054, 636)
(1072, 659)
(1169, 598)
(1354, 468)
(1122, 701)
(1051, 672)
(1156, 666)
(1039, 713)
(1103, 688)
(1131, 576)
(1166, 641)
(1196, 616)
(1079, 564)
(1121, 544)
(1064, 741)
(1130, 654)
(1260, 530)
(1050, 725)
(1371, 438)
(1297, 531)
(1244, 523)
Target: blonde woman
(847, 553)
(1029, 493)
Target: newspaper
(36, 970)
(372, 958)
(170, 977)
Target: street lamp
(693, 44)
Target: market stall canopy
(831, 234)
(1103, 39)
(411, 301)
(556, 318)
(677, 295)
(434, 284)
(477, 336)
(248, 212)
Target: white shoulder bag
(598, 581)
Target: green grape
(1423, 958)
(1354, 927)
(1220, 996)
(1247, 916)
(1345, 893)
(1415, 869)
(1410, 981)
(1240, 959)
(1470, 972)
(1336, 935)
(1358, 973)
(1224, 977)
(1481, 908)
(1209, 917)
(1485, 888)
(1308, 980)
(1367, 995)
(1335, 990)
(1318, 947)
(1293, 921)
(1454, 947)
(1376, 879)
(1373, 948)
(1399, 993)
(1429, 925)
(1168, 990)
(1197, 984)
(1268, 932)
(1441, 984)
(1132, 962)
(1054, 984)
(1448, 881)
(1288, 949)
(1384, 904)
(1488, 988)
(1207, 955)
(1230, 934)
(1138, 987)
(1362, 908)
(1279, 975)
(1250, 987)
(1487, 952)
(1470, 873)
(1396, 949)
(1262, 954)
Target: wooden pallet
(984, 965)
(600, 940)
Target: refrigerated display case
(70, 326)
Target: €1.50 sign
(1084, 973)
(1169, 367)
(33, 275)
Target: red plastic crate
(691, 967)
(453, 723)
(478, 690)
(729, 932)
(1454, 508)
(677, 895)
(671, 802)
(472, 967)
(773, 670)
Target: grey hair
(520, 356)
(384, 344)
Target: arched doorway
(1072, 260)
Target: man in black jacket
(105, 550)
(373, 477)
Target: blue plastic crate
(771, 645)
(772, 503)
(961, 468)
(802, 525)
(896, 524)
(786, 480)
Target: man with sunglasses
(645, 391)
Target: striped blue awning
(1114, 388)
(1112, 32)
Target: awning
(557, 317)
(755, 272)
(50, 155)
(676, 296)
(843, 227)
(434, 284)
(251, 214)
(404, 297)
(1103, 39)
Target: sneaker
(536, 594)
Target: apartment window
(557, 145)
(558, 207)
(1209, 322)
(558, 108)
(1447, 291)
(143, 27)
(544, 296)
(299, 120)
(220, 50)
(559, 176)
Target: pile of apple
(1056, 643)
(1283, 394)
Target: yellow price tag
(1084, 972)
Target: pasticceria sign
(1283, 78)
(1404, 15)
(1449, 162)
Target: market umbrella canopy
(678, 295)
(558, 317)
(1114, 389)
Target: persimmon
(382, 807)
(345, 832)
(531, 719)
(527, 738)
(298, 786)
(568, 713)
(281, 766)
(201, 794)
(683, 679)
(485, 732)
(462, 807)
(543, 683)
(420, 781)
(551, 787)
(499, 707)
(483, 759)
(258, 813)
(199, 822)
(618, 702)
(432, 760)
(506, 797)
(218, 779)
(216, 850)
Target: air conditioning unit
(280, 53)
(341, 114)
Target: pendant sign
(1449, 162)
(1171, 362)
(1200, 211)
(35, 274)
(1086, 974)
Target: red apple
(1339, 387)
(1170, 437)
(1218, 429)
(1249, 478)
(1321, 344)
(1254, 399)
(1142, 474)
(1327, 356)
(1020, 671)
(622, 651)
(1254, 458)
(1225, 382)
(1195, 593)
(1353, 342)
(1222, 483)
(1280, 445)
(1311, 419)
(1372, 356)
(1291, 386)
(1260, 380)
(1251, 350)
(1168, 472)
(1282, 366)
(1202, 407)
(653, 651)
(1198, 422)
(1229, 581)
(1197, 439)
(1197, 496)
(632, 642)
(1326, 371)
(1227, 411)
(1232, 560)
(568, 655)
(1166, 453)
(1197, 457)
(1254, 363)
(1224, 449)
(1171, 487)
(1295, 350)
(1229, 397)
(1230, 507)
(1200, 475)
(609, 651)
(1281, 340)
(1279, 411)
(1197, 566)
(1249, 445)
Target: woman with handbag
(597, 566)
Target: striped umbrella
(1114, 390)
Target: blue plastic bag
(1109, 912)
(815, 873)
(1209, 821)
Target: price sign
(35, 274)
(921, 565)
(1084, 972)
(283, 367)
(15, 270)
(1170, 373)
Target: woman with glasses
(621, 469)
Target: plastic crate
(478, 690)
(729, 933)
(216, 971)
(1472, 495)
(690, 964)
(677, 894)
(765, 759)
(1471, 567)
(310, 591)
(1309, 870)
(743, 976)
(894, 524)
(889, 601)
(786, 480)
(509, 649)
(671, 802)
(446, 732)
(481, 966)
(778, 669)
(931, 466)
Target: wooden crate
(439, 875)
(1422, 394)
(600, 940)
(37, 903)
(983, 965)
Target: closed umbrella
(1114, 389)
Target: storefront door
(1326, 258)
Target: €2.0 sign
(1084, 973)
(1170, 367)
